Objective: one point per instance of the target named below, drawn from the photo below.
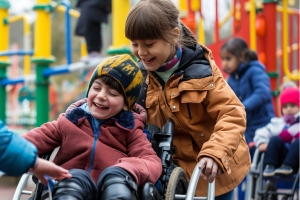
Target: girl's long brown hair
(156, 19)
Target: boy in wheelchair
(280, 138)
(102, 141)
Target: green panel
(46, 7)
(43, 61)
(270, 1)
(4, 64)
(273, 74)
(2, 95)
(115, 51)
(275, 93)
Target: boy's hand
(211, 169)
(76, 104)
(263, 147)
(45, 167)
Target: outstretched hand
(45, 167)
(211, 169)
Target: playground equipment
(41, 54)
(255, 22)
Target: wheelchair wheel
(177, 184)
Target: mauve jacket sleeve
(225, 108)
(261, 89)
(46, 137)
(17, 155)
(142, 162)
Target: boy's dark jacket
(121, 142)
(207, 116)
(251, 84)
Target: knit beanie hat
(289, 95)
(125, 71)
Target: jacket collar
(124, 118)
(243, 67)
(190, 55)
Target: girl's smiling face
(104, 102)
(153, 53)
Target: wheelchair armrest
(46, 156)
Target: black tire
(177, 184)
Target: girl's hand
(211, 169)
(45, 167)
(139, 113)
(76, 104)
(263, 147)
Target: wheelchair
(172, 183)
(256, 183)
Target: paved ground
(8, 186)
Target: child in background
(280, 138)
(18, 156)
(250, 82)
(101, 141)
(183, 83)
(92, 14)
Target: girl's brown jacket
(209, 120)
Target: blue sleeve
(260, 82)
(17, 154)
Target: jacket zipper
(189, 110)
(94, 148)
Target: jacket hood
(192, 55)
(124, 118)
(194, 64)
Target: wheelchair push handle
(193, 184)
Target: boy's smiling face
(103, 101)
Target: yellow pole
(120, 44)
(120, 9)
(226, 18)
(4, 33)
(183, 8)
(83, 47)
(285, 43)
(252, 25)
(27, 45)
(42, 31)
(201, 31)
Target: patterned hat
(125, 71)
